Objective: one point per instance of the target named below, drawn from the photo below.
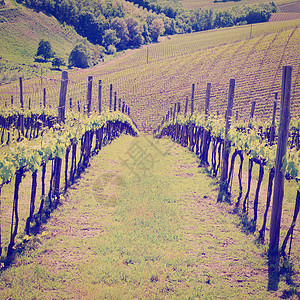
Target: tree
(44, 50)
(120, 26)
(79, 57)
(57, 62)
(156, 29)
(110, 38)
(224, 19)
(134, 32)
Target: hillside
(204, 4)
(21, 30)
(155, 77)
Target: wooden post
(115, 102)
(89, 94)
(29, 103)
(128, 112)
(100, 96)
(281, 151)
(178, 107)
(71, 103)
(78, 106)
(174, 112)
(226, 145)
(123, 107)
(21, 92)
(61, 118)
(22, 106)
(44, 98)
(12, 100)
(272, 129)
(147, 55)
(186, 105)
(207, 98)
(120, 104)
(192, 99)
(110, 97)
(62, 96)
(252, 109)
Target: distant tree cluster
(45, 53)
(118, 24)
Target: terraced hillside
(152, 79)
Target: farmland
(192, 4)
(142, 220)
(159, 75)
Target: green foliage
(79, 57)
(57, 62)
(110, 38)
(44, 50)
(53, 142)
(250, 137)
(156, 29)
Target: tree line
(119, 25)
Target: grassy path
(142, 223)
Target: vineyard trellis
(67, 136)
(253, 139)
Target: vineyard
(264, 144)
(153, 78)
(53, 127)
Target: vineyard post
(178, 108)
(186, 105)
(207, 98)
(12, 101)
(99, 95)
(71, 103)
(21, 92)
(78, 106)
(61, 118)
(192, 99)
(62, 96)
(123, 107)
(174, 112)
(89, 94)
(236, 115)
(110, 97)
(115, 102)
(120, 104)
(252, 109)
(128, 112)
(281, 151)
(226, 144)
(44, 98)
(22, 106)
(29, 103)
(272, 130)
(206, 133)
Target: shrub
(79, 57)
(44, 50)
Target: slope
(157, 76)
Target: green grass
(140, 228)
(21, 30)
